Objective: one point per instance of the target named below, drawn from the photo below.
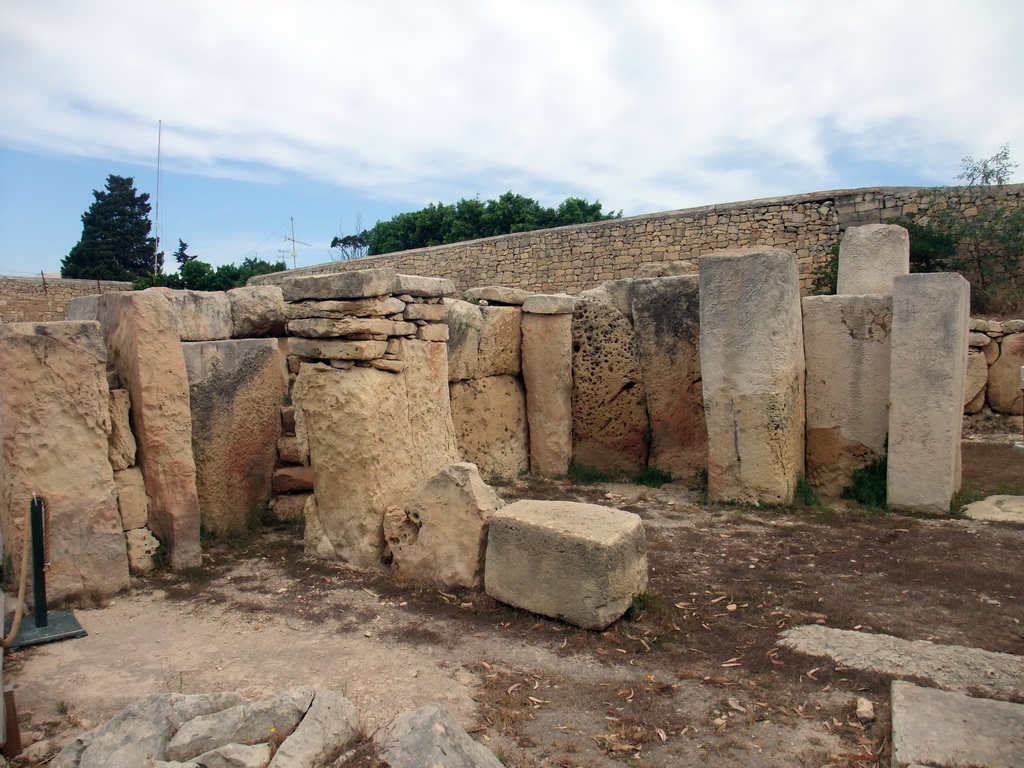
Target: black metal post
(38, 564)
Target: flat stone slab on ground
(952, 667)
(940, 728)
(997, 509)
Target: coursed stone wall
(583, 256)
(38, 299)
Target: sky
(326, 113)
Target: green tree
(180, 256)
(115, 242)
(197, 275)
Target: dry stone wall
(36, 299)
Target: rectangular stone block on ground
(581, 563)
(870, 256)
(752, 365)
(236, 388)
(547, 373)
(846, 345)
(54, 420)
(926, 392)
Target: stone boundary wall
(583, 256)
(38, 299)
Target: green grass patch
(652, 477)
(868, 485)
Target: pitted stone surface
(500, 342)
(465, 322)
(121, 446)
(870, 256)
(490, 425)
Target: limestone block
(201, 315)
(362, 284)
(335, 349)
(613, 292)
(465, 322)
(428, 287)
(326, 328)
(846, 345)
(976, 382)
(288, 507)
(432, 313)
(665, 269)
(84, 308)
(257, 311)
(926, 393)
(141, 336)
(290, 451)
(870, 256)
(581, 563)
(1010, 326)
(991, 352)
(440, 536)
(432, 332)
(377, 306)
(295, 479)
(490, 425)
(54, 421)
(236, 388)
(121, 442)
(401, 433)
(752, 364)
(979, 339)
(609, 403)
(549, 304)
(431, 736)
(666, 318)
(497, 294)
(1004, 394)
(547, 373)
(288, 419)
(132, 502)
(142, 549)
(500, 342)
(329, 727)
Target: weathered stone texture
(976, 383)
(440, 536)
(121, 442)
(582, 563)
(490, 425)
(141, 337)
(361, 284)
(846, 343)
(430, 736)
(54, 420)
(500, 342)
(200, 315)
(752, 363)
(870, 256)
(142, 550)
(257, 311)
(132, 501)
(666, 316)
(1004, 383)
(405, 435)
(926, 394)
(236, 388)
(465, 322)
(547, 373)
(609, 413)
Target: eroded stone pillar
(870, 257)
(846, 345)
(547, 372)
(54, 420)
(752, 363)
(930, 315)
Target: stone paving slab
(951, 730)
(999, 509)
(952, 667)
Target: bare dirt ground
(690, 676)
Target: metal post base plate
(61, 625)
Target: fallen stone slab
(581, 563)
(940, 728)
(997, 509)
(228, 756)
(952, 667)
(330, 726)
(430, 736)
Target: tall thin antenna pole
(156, 245)
(293, 241)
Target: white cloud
(645, 104)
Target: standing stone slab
(141, 336)
(54, 419)
(465, 321)
(547, 372)
(609, 402)
(926, 393)
(1004, 385)
(201, 315)
(374, 438)
(666, 315)
(582, 563)
(976, 383)
(500, 342)
(132, 502)
(236, 388)
(257, 311)
(870, 257)
(846, 343)
(752, 363)
(490, 425)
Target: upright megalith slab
(236, 388)
(201, 315)
(54, 420)
(846, 345)
(547, 373)
(141, 336)
(465, 323)
(257, 311)
(752, 364)
(609, 402)
(582, 563)
(930, 315)
(666, 316)
(870, 257)
(490, 425)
